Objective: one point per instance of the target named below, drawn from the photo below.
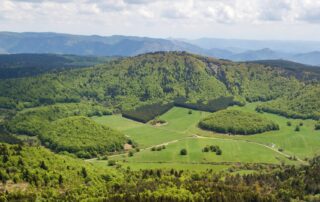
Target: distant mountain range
(231, 49)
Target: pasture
(181, 131)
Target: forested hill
(21, 65)
(149, 78)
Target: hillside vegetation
(22, 65)
(304, 103)
(47, 176)
(34, 120)
(82, 136)
(151, 78)
(237, 122)
(34, 173)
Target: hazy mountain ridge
(116, 45)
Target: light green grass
(180, 130)
(303, 144)
(117, 122)
(166, 166)
(232, 151)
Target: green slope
(150, 78)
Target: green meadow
(181, 131)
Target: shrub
(205, 149)
(130, 154)
(219, 151)
(289, 123)
(153, 149)
(183, 152)
(190, 111)
(297, 128)
(111, 162)
(301, 124)
(317, 126)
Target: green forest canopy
(237, 122)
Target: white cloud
(119, 16)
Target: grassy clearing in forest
(181, 130)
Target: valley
(166, 121)
(273, 147)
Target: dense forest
(22, 65)
(150, 78)
(237, 122)
(58, 177)
(82, 136)
(303, 103)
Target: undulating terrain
(163, 126)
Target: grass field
(303, 144)
(181, 131)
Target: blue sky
(249, 19)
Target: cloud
(123, 16)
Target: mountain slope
(312, 58)
(11, 42)
(21, 65)
(150, 78)
(303, 103)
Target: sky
(242, 19)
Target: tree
(84, 172)
(190, 111)
(219, 151)
(205, 149)
(111, 162)
(183, 152)
(43, 165)
(60, 180)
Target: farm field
(181, 131)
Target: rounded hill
(237, 122)
(82, 136)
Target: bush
(317, 126)
(301, 124)
(147, 112)
(183, 152)
(111, 162)
(130, 154)
(289, 123)
(297, 128)
(219, 151)
(205, 149)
